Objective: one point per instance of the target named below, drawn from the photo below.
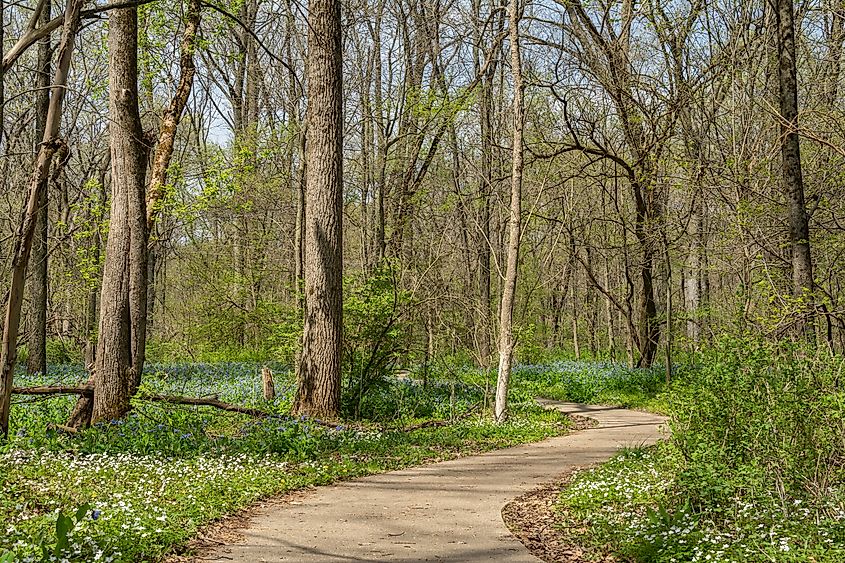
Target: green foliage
(589, 382)
(633, 507)
(374, 333)
(407, 401)
(59, 352)
(754, 470)
(156, 477)
(768, 415)
(59, 544)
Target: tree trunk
(173, 114)
(506, 340)
(592, 307)
(37, 358)
(608, 312)
(123, 307)
(485, 185)
(576, 345)
(381, 140)
(26, 231)
(793, 181)
(318, 387)
(267, 384)
(2, 73)
(668, 267)
(692, 283)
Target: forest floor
(448, 511)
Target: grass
(137, 489)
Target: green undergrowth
(137, 489)
(601, 383)
(633, 507)
(754, 469)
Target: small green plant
(57, 544)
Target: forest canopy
(611, 178)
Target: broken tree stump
(269, 386)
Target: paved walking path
(448, 511)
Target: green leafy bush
(757, 418)
(754, 470)
(374, 334)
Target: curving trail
(448, 511)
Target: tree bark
(123, 307)
(692, 283)
(173, 114)
(37, 345)
(608, 312)
(793, 181)
(26, 230)
(485, 185)
(267, 384)
(318, 386)
(506, 339)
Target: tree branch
(33, 35)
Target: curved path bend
(448, 511)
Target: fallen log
(86, 390)
(205, 402)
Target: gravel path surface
(448, 511)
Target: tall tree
(506, 339)
(36, 361)
(793, 179)
(318, 388)
(486, 28)
(604, 40)
(26, 229)
(123, 297)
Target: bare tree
(36, 361)
(793, 180)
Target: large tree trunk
(26, 230)
(648, 329)
(123, 307)
(318, 387)
(793, 181)
(37, 359)
(506, 339)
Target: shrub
(374, 334)
(759, 418)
